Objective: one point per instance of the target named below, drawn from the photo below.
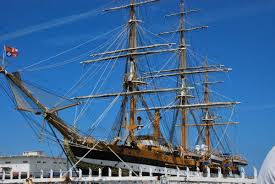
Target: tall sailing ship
(163, 144)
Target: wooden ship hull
(148, 160)
(130, 158)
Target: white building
(32, 162)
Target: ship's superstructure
(127, 148)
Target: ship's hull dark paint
(108, 155)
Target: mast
(156, 126)
(207, 118)
(131, 82)
(183, 100)
(183, 97)
(132, 73)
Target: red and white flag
(11, 51)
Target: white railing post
(79, 173)
(219, 172)
(28, 174)
(109, 172)
(165, 172)
(150, 172)
(90, 172)
(230, 173)
(70, 173)
(60, 173)
(208, 172)
(140, 172)
(119, 172)
(178, 172)
(41, 174)
(4, 175)
(198, 171)
(51, 173)
(99, 172)
(19, 175)
(130, 173)
(187, 171)
(11, 175)
(255, 173)
(242, 173)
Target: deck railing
(70, 176)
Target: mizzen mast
(207, 117)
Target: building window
(7, 162)
(25, 161)
(55, 162)
(38, 162)
(44, 162)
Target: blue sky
(240, 35)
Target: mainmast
(183, 99)
(132, 74)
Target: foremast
(131, 80)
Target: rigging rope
(74, 165)
(63, 149)
(64, 52)
(121, 160)
(224, 133)
(84, 109)
(159, 99)
(102, 116)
